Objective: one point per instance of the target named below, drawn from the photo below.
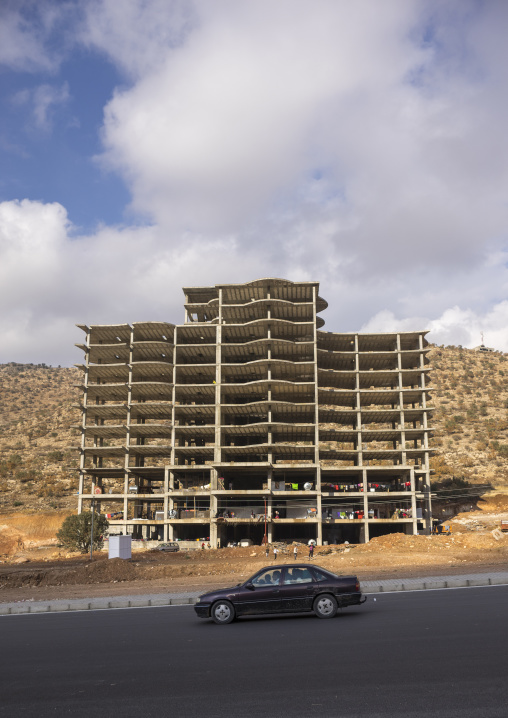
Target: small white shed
(120, 547)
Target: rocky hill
(37, 412)
(470, 396)
(38, 408)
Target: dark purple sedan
(291, 588)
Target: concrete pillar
(365, 506)
(269, 525)
(166, 502)
(402, 434)
(358, 404)
(319, 537)
(213, 533)
(413, 501)
(316, 386)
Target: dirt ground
(32, 568)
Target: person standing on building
(295, 552)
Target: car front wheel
(325, 606)
(223, 612)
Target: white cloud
(457, 326)
(25, 27)
(134, 34)
(254, 102)
(231, 126)
(51, 279)
(43, 101)
(359, 144)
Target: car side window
(297, 575)
(320, 576)
(267, 578)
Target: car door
(298, 589)
(260, 595)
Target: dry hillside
(38, 410)
(470, 396)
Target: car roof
(292, 565)
(304, 565)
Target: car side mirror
(249, 585)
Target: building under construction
(249, 421)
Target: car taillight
(357, 586)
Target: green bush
(55, 456)
(502, 450)
(75, 532)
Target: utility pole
(265, 540)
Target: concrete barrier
(119, 603)
(162, 601)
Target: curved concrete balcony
(105, 451)
(107, 333)
(106, 392)
(373, 434)
(158, 450)
(203, 453)
(150, 431)
(276, 288)
(106, 353)
(195, 373)
(368, 396)
(114, 373)
(151, 370)
(152, 351)
(202, 393)
(284, 431)
(151, 390)
(152, 410)
(287, 451)
(202, 354)
(109, 431)
(105, 412)
(199, 432)
(195, 412)
(153, 331)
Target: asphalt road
(411, 655)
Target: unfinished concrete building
(250, 422)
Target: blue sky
(151, 144)
(49, 141)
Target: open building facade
(249, 421)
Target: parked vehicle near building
(171, 546)
(292, 588)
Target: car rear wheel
(223, 612)
(325, 606)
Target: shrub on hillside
(75, 533)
